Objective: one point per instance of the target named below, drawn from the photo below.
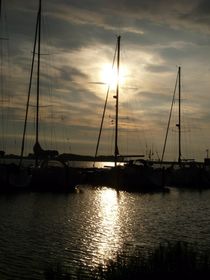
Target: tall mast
(117, 102)
(29, 89)
(38, 74)
(104, 111)
(179, 124)
(169, 119)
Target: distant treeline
(85, 157)
(65, 156)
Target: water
(84, 229)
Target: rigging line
(4, 66)
(141, 131)
(2, 98)
(8, 86)
(50, 72)
(29, 89)
(38, 79)
(169, 119)
(179, 124)
(102, 121)
(111, 147)
(1, 89)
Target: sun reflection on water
(109, 225)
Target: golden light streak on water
(109, 224)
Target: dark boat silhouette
(48, 173)
(134, 176)
(185, 172)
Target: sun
(109, 75)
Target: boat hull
(134, 179)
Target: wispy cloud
(78, 38)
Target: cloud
(158, 68)
(79, 37)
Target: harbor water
(89, 227)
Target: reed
(167, 261)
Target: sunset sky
(77, 46)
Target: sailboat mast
(29, 90)
(105, 105)
(179, 124)
(38, 75)
(169, 119)
(117, 101)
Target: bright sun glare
(109, 75)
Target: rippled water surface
(89, 227)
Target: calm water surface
(87, 228)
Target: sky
(78, 43)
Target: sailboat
(183, 173)
(48, 172)
(134, 176)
